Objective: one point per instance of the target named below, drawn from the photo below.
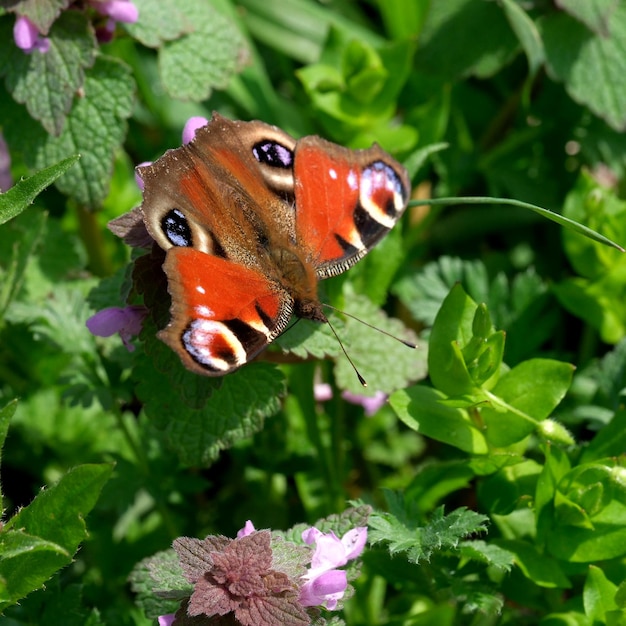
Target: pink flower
(192, 125)
(370, 404)
(126, 321)
(166, 620)
(248, 529)
(27, 37)
(322, 392)
(118, 10)
(324, 584)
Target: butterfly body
(251, 220)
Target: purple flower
(371, 404)
(248, 529)
(118, 10)
(166, 620)
(324, 584)
(27, 36)
(192, 125)
(126, 321)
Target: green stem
(91, 234)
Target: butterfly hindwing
(346, 201)
(223, 314)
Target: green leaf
(23, 193)
(47, 83)
(595, 14)
(94, 129)
(160, 21)
(42, 14)
(591, 67)
(598, 595)
(449, 47)
(384, 362)
(460, 361)
(527, 33)
(160, 584)
(53, 526)
(523, 397)
(540, 569)
(423, 410)
(488, 553)
(442, 533)
(192, 66)
(608, 442)
(200, 419)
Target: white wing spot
(332, 173)
(200, 289)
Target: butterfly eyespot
(273, 154)
(176, 228)
(383, 195)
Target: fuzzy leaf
(384, 362)
(55, 516)
(159, 583)
(42, 13)
(94, 129)
(194, 65)
(160, 21)
(198, 428)
(443, 532)
(47, 83)
(595, 14)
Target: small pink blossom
(322, 392)
(126, 321)
(192, 125)
(324, 584)
(166, 620)
(118, 10)
(27, 36)
(248, 529)
(370, 404)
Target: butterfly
(250, 220)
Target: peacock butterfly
(250, 219)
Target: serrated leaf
(305, 338)
(488, 553)
(598, 595)
(160, 21)
(198, 430)
(443, 532)
(42, 13)
(590, 67)
(55, 516)
(192, 66)
(47, 82)
(386, 363)
(94, 129)
(23, 193)
(156, 580)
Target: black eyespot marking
(273, 154)
(176, 228)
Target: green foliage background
(496, 468)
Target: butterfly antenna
(409, 344)
(356, 371)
